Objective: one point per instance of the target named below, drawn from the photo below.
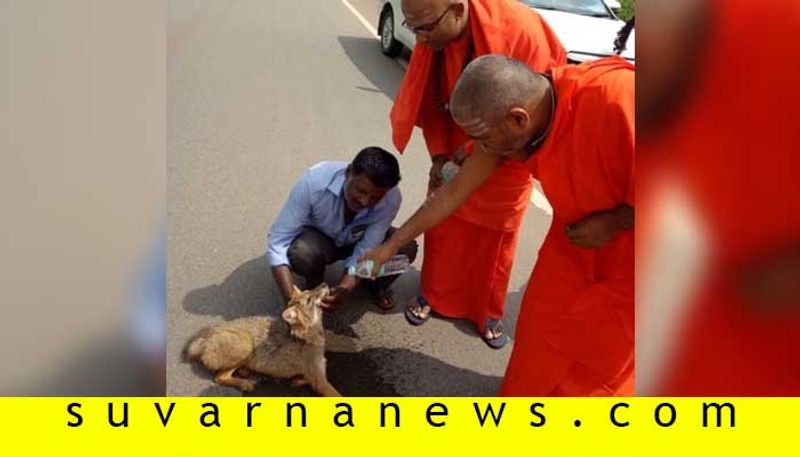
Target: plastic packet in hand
(394, 266)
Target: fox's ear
(290, 315)
(296, 291)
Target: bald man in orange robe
(483, 234)
(574, 131)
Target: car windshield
(594, 8)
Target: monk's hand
(599, 228)
(379, 256)
(337, 294)
(435, 178)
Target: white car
(586, 28)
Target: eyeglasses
(430, 27)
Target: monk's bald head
(491, 86)
(436, 23)
(417, 7)
(503, 105)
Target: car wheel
(389, 44)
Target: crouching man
(338, 211)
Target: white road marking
(361, 18)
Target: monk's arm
(599, 228)
(447, 199)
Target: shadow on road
(250, 290)
(368, 373)
(381, 71)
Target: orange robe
(735, 145)
(575, 333)
(468, 257)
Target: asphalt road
(257, 92)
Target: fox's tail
(194, 349)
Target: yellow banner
(399, 427)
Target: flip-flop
(494, 325)
(380, 296)
(412, 318)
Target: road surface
(257, 92)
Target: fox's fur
(290, 348)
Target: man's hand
(435, 179)
(338, 293)
(285, 280)
(599, 228)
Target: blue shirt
(317, 200)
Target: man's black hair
(379, 166)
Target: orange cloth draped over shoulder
(468, 257)
(575, 333)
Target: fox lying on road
(264, 344)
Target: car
(393, 34)
(587, 28)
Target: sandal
(494, 327)
(416, 313)
(384, 298)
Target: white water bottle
(449, 170)
(394, 266)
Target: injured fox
(264, 345)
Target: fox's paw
(247, 385)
